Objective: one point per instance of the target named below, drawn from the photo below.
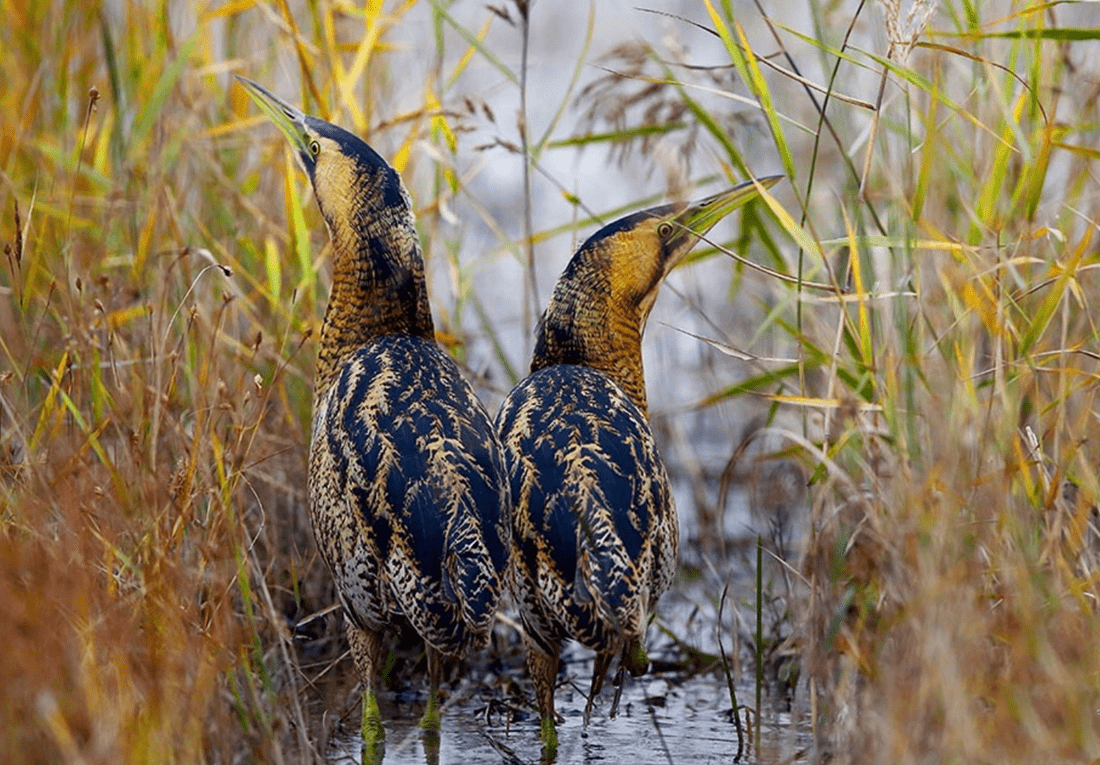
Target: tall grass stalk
(759, 641)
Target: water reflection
(661, 719)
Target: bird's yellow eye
(314, 148)
(664, 230)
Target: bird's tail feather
(475, 587)
(608, 576)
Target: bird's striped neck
(378, 288)
(582, 326)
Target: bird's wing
(590, 493)
(423, 483)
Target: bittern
(408, 495)
(594, 528)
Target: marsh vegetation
(892, 386)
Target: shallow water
(669, 715)
(661, 719)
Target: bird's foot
(548, 734)
(429, 725)
(588, 709)
(374, 734)
(617, 681)
(430, 720)
(373, 754)
(430, 741)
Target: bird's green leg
(548, 734)
(366, 649)
(374, 735)
(543, 669)
(430, 720)
(635, 658)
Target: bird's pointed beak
(288, 119)
(698, 218)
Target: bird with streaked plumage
(594, 528)
(408, 496)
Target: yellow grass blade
(49, 410)
(863, 323)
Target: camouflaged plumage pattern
(594, 528)
(408, 495)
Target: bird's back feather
(595, 527)
(408, 494)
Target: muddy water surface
(675, 714)
(661, 719)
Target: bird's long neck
(584, 326)
(378, 288)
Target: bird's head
(638, 251)
(602, 300)
(351, 181)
